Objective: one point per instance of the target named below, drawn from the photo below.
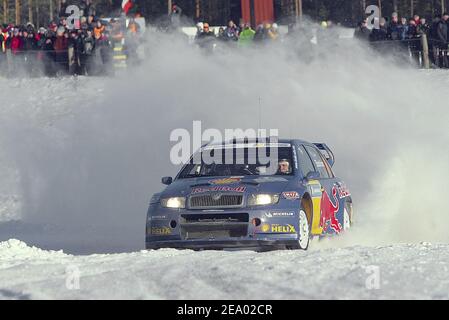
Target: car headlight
(174, 203)
(263, 199)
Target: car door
(331, 207)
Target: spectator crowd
(242, 35)
(410, 32)
(84, 46)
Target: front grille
(216, 201)
(214, 226)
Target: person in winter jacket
(48, 51)
(423, 27)
(393, 27)
(260, 35)
(380, 34)
(99, 30)
(30, 51)
(417, 19)
(60, 47)
(433, 39)
(272, 31)
(442, 37)
(206, 39)
(133, 27)
(87, 53)
(221, 34)
(231, 33)
(246, 36)
(403, 29)
(362, 32)
(4, 35)
(16, 42)
(175, 16)
(74, 47)
(412, 30)
(103, 52)
(442, 29)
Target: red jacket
(60, 44)
(16, 44)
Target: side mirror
(312, 175)
(167, 180)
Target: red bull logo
(329, 211)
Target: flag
(127, 5)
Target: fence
(425, 52)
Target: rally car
(244, 202)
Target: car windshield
(225, 161)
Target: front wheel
(347, 217)
(304, 231)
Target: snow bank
(14, 250)
(406, 271)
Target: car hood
(247, 184)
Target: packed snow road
(391, 272)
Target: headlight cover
(174, 203)
(263, 199)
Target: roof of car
(240, 141)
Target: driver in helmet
(284, 167)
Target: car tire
(347, 219)
(303, 231)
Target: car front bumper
(220, 229)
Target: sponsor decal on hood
(238, 189)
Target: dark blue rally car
(243, 202)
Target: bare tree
(37, 13)
(18, 12)
(197, 8)
(51, 9)
(30, 11)
(5, 11)
(299, 8)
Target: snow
(81, 157)
(405, 272)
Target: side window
(328, 168)
(318, 161)
(305, 164)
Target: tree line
(39, 12)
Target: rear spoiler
(326, 152)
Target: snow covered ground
(80, 158)
(387, 272)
